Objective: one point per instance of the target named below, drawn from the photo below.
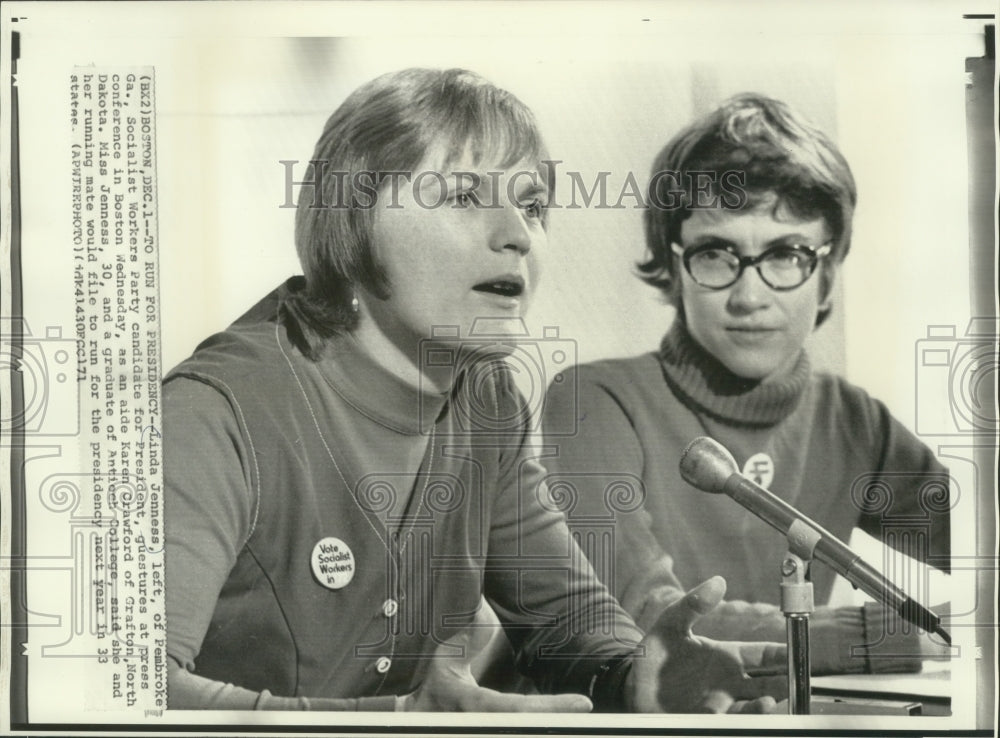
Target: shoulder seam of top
(221, 385)
(255, 480)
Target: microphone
(709, 466)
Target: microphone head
(707, 464)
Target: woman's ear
(829, 273)
(828, 277)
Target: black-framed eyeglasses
(782, 267)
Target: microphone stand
(797, 605)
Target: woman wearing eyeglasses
(749, 216)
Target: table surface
(933, 682)
(931, 688)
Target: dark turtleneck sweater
(618, 428)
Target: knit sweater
(329, 526)
(615, 431)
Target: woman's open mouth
(501, 287)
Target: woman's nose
(750, 292)
(510, 231)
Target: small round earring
(354, 304)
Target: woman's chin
(753, 369)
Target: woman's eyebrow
(464, 179)
(710, 238)
(788, 239)
(534, 189)
(426, 179)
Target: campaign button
(333, 563)
(760, 468)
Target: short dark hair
(776, 151)
(387, 126)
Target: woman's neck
(704, 383)
(401, 357)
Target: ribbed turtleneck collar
(705, 383)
